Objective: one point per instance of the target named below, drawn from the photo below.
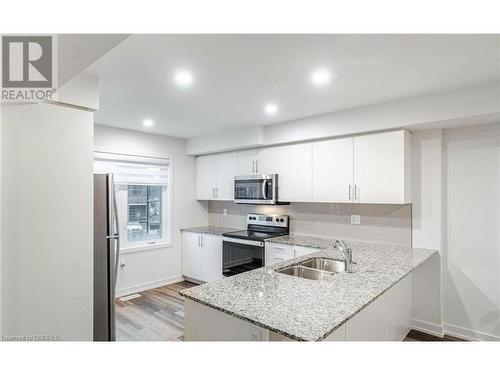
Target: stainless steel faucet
(346, 253)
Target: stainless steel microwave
(256, 189)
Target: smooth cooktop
(252, 235)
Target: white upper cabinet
(295, 173)
(215, 176)
(257, 161)
(373, 168)
(332, 163)
(206, 177)
(246, 161)
(267, 160)
(382, 168)
(226, 170)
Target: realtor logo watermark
(28, 68)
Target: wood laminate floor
(158, 315)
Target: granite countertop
(210, 230)
(320, 243)
(309, 310)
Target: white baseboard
(469, 334)
(426, 327)
(149, 285)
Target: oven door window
(253, 189)
(238, 258)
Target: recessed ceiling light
(183, 78)
(147, 122)
(271, 108)
(321, 77)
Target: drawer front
(273, 258)
(301, 250)
(280, 249)
(276, 253)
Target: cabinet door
(191, 255)
(226, 170)
(382, 168)
(295, 173)
(267, 160)
(206, 177)
(246, 162)
(370, 324)
(399, 309)
(333, 170)
(211, 250)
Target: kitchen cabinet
(215, 176)
(387, 318)
(373, 168)
(257, 161)
(382, 168)
(295, 173)
(191, 255)
(246, 161)
(332, 170)
(399, 309)
(267, 160)
(226, 170)
(201, 256)
(370, 323)
(301, 250)
(206, 177)
(276, 252)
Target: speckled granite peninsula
(309, 310)
(218, 231)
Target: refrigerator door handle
(117, 233)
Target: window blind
(132, 170)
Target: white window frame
(122, 200)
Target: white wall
(47, 267)
(152, 268)
(451, 108)
(456, 210)
(427, 229)
(471, 261)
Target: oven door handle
(264, 189)
(243, 242)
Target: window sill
(145, 247)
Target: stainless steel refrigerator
(106, 254)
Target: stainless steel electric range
(244, 250)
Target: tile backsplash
(387, 223)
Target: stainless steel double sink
(314, 268)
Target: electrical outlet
(355, 219)
(224, 211)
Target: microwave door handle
(264, 189)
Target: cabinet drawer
(301, 250)
(280, 249)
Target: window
(144, 213)
(141, 186)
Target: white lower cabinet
(388, 318)
(276, 252)
(201, 256)
(191, 255)
(370, 323)
(301, 250)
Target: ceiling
(76, 52)
(236, 75)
